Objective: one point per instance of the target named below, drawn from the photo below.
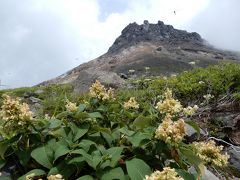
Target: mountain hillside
(159, 47)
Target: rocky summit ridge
(147, 32)
(162, 48)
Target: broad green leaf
(61, 149)
(115, 154)
(44, 155)
(125, 131)
(35, 172)
(78, 132)
(81, 115)
(107, 137)
(116, 173)
(95, 115)
(54, 123)
(142, 122)
(3, 149)
(77, 160)
(188, 154)
(58, 133)
(86, 144)
(96, 159)
(137, 169)
(102, 108)
(137, 138)
(86, 177)
(185, 175)
(2, 163)
(82, 107)
(66, 170)
(87, 157)
(23, 156)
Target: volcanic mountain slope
(160, 47)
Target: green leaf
(77, 160)
(116, 173)
(95, 115)
(96, 159)
(86, 177)
(34, 172)
(185, 175)
(3, 149)
(58, 133)
(137, 169)
(137, 138)
(44, 155)
(87, 157)
(61, 149)
(188, 154)
(66, 170)
(107, 137)
(115, 153)
(54, 123)
(125, 131)
(23, 156)
(86, 144)
(78, 132)
(82, 107)
(2, 163)
(142, 122)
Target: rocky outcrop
(109, 79)
(134, 33)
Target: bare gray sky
(40, 40)
(219, 24)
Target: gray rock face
(208, 175)
(109, 79)
(234, 157)
(134, 33)
(192, 134)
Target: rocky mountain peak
(147, 32)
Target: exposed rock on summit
(134, 33)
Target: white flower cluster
(13, 109)
(70, 106)
(51, 177)
(171, 132)
(99, 91)
(188, 111)
(207, 97)
(166, 174)
(169, 105)
(131, 104)
(55, 177)
(210, 153)
(15, 115)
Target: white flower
(171, 132)
(190, 110)
(70, 106)
(208, 97)
(166, 174)
(210, 153)
(131, 103)
(192, 63)
(169, 105)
